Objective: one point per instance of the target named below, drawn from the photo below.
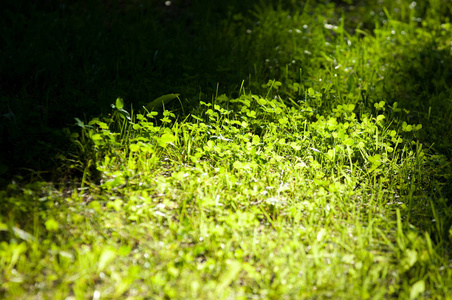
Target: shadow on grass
(420, 80)
(66, 59)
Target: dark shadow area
(420, 80)
(66, 59)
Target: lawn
(237, 150)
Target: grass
(326, 173)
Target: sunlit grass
(329, 181)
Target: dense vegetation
(195, 149)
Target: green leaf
(161, 101)
(380, 118)
(51, 225)
(295, 146)
(233, 269)
(167, 138)
(283, 121)
(349, 142)
(124, 250)
(375, 159)
(81, 124)
(106, 257)
(24, 235)
(331, 154)
(95, 205)
(116, 205)
(109, 184)
(17, 251)
(134, 148)
(237, 165)
(96, 137)
(256, 140)
(124, 113)
(417, 289)
(119, 103)
(406, 127)
(409, 259)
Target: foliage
(326, 174)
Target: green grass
(319, 166)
